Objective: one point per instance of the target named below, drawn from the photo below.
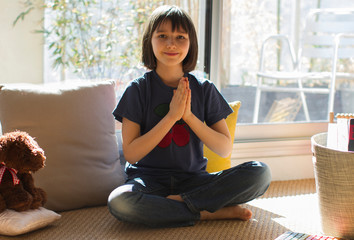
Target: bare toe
(242, 213)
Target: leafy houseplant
(93, 38)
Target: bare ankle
(232, 212)
(175, 197)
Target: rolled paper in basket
(332, 136)
(351, 135)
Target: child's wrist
(188, 118)
(170, 117)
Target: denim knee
(129, 207)
(122, 206)
(266, 173)
(262, 174)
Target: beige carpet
(287, 205)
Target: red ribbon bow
(11, 170)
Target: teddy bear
(20, 156)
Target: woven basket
(334, 174)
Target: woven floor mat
(287, 205)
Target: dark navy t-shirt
(146, 101)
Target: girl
(167, 115)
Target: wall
(21, 50)
(288, 160)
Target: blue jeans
(143, 200)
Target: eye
(181, 37)
(161, 36)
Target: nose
(171, 43)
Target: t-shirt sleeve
(130, 104)
(216, 107)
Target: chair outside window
(328, 38)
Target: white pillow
(13, 223)
(74, 125)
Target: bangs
(178, 19)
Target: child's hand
(188, 109)
(179, 100)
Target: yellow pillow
(215, 162)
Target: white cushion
(13, 223)
(74, 125)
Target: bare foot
(232, 212)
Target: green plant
(94, 38)
(91, 38)
(81, 35)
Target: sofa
(73, 123)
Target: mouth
(171, 54)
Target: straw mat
(286, 206)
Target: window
(234, 30)
(230, 35)
(243, 25)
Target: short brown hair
(179, 18)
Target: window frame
(256, 132)
(280, 131)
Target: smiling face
(181, 21)
(170, 46)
